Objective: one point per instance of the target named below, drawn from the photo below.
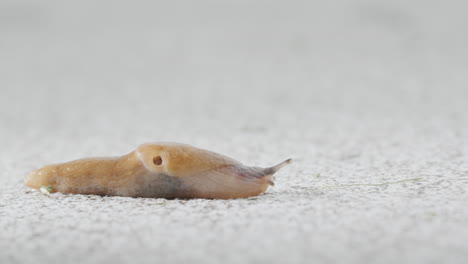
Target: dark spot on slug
(157, 160)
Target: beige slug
(159, 170)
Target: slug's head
(179, 159)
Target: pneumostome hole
(157, 160)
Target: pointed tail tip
(286, 162)
(280, 165)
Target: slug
(158, 170)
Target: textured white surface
(356, 91)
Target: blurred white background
(226, 63)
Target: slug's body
(160, 170)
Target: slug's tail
(257, 172)
(274, 169)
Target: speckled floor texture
(370, 98)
